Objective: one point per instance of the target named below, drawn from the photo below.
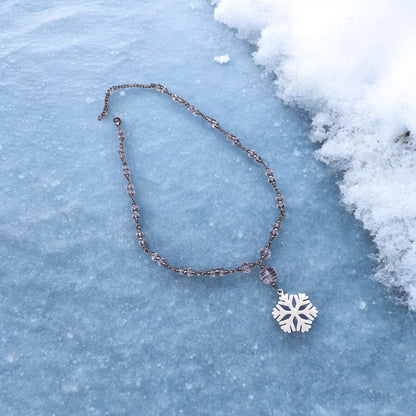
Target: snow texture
(222, 59)
(351, 65)
(90, 325)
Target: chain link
(220, 271)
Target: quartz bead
(121, 153)
(279, 202)
(258, 159)
(245, 267)
(155, 257)
(271, 179)
(142, 242)
(274, 232)
(136, 216)
(134, 208)
(214, 123)
(264, 253)
(181, 270)
(178, 99)
(268, 275)
(277, 224)
(139, 234)
(130, 190)
(251, 153)
(212, 273)
(161, 88)
(190, 271)
(221, 272)
(126, 172)
(232, 139)
(162, 262)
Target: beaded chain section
(293, 312)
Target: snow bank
(352, 65)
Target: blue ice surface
(89, 325)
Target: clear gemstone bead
(161, 88)
(190, 271)
(126, 172)
(155, 257)
(178, 99)
(245, 267)
(212, 273)
(222, 272)
(136, 216)
(181, 270)
(268, 275)
(264, 253)
(274, 232)
(142, 242)
(251, 153)
(162, 262)
(232, 139)
(130, 189)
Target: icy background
(89, 325)
(351, 65)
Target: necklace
(293, 312)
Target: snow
(351, 65)
(90, 325)
(222, 59)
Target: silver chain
(246, 266)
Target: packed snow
(351, 65)
(222, 59)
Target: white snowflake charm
(294, 312)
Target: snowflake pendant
(294, 312)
